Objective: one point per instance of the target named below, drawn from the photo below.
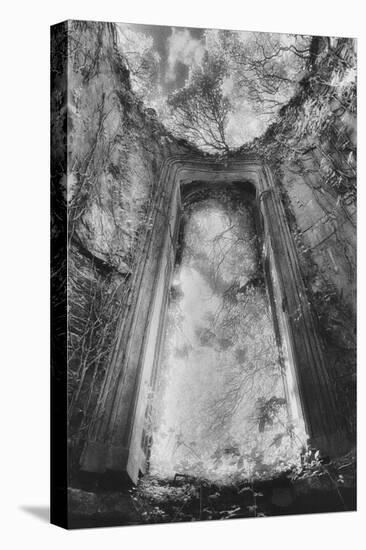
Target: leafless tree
(199, 111)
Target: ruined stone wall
(105, 176)
(312, 152)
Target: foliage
(264, 67)
(188, 498)
(268, 410)
(107, 186)
(199, 111)
(319, 123)
(142, 61)
(95, 299)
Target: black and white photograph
(203, 258)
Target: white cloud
(227, 86)
(183, 48)
(244, 124)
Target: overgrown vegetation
(188, 499)
(307, 87)
(96, 297)
(318, 125)
(313, 144)
(114, 151)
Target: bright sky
(179, 50)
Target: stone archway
(116, 440)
